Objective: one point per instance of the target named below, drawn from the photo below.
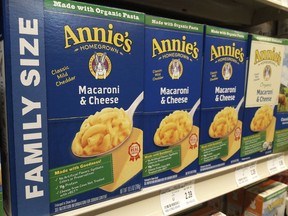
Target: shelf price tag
(276, 165)
(246, 175)
(177, 198)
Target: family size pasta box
(263, 83)
(173, 61)
(225, 60)
(265, 199)
(74, 90)
(281, 130)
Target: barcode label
(154, 181)
(178, 198)
(172, 205)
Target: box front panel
(263, 85)
(172, 88)
(222, 97)
(94, 75)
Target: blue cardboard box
(73, 102)
(225, 60)
(263, 83)
(173, 63)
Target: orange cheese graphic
(125, 164)
(189, 149)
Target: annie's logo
(175, 45)
(271, 55)
(100, 65)
(96, 34)
(227, 51)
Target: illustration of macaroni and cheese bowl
(173, 128)
(262, 118)
(223, 123)
(102, 132)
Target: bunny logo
(253, 204)
(267, 72)
(100, 65)
(175, 69)
(227, 71)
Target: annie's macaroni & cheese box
(73, 104)
(267, 198)
(263, 83)
(173, 61)
(225, 58)
(281, 130)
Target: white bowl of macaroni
(102, 132)
(175, 127)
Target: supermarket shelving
(230, 13)
(207, 185)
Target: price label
(178, 198)
(276, 165)
(246, 175)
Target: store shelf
(228, 13)
(231, 13)
(207, 186)
(281, 4)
